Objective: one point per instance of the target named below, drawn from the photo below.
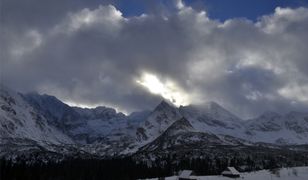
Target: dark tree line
(78, 169)
(129, 168)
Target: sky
(248, 56)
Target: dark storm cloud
(94, 56)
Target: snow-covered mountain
(157, 122)
(182, 134)
(58, 114)
(21, 121)
(213, 118)
(83, 125)
(99, 130)
(46, 121)
(271, 127)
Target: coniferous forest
(129, 168)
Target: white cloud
(295, 91)
(32, 39)
(282, 19)
(104, 16)
(93, 56)
(179, 4)
(168, 89)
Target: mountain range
(34, 123)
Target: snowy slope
(181, 133)
(106, 126)
(19, 120)
(213, 118)
(294, 173)
(58, 114)
(84, 125)
(157, 122)
(102, 121)
(103, 131)
(271, 127)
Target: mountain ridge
(104, 132)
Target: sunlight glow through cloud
(168, 90)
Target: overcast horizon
(132, 55)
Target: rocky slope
(19, 120)
(44, 122)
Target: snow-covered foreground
(295, 173)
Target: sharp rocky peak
(215, 107)
(179, 126)
(182, 123)
(163, 105)
(210, 109)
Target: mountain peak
(211, 105)
(210, 109)
(163, 102)
(183, 123)
(40, 98)
(163, 105)
(180, 125)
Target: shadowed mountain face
(45, 121)
(157, 122)
(181, 133)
